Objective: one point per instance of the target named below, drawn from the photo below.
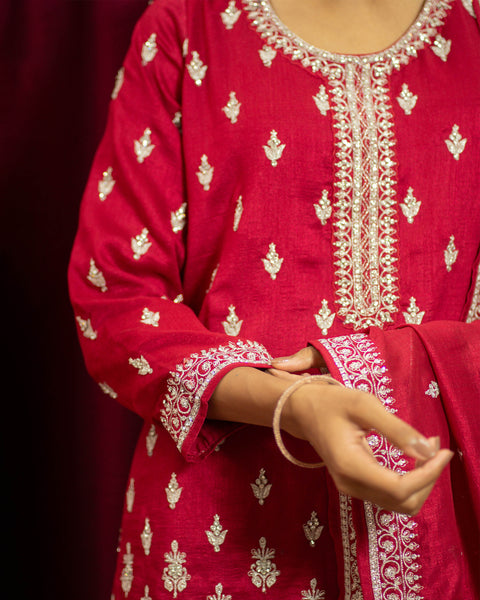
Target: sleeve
(141, 343)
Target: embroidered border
(474, 311)
(187, 384)
(393, 550)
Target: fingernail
(424, 448)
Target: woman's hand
(336, 420)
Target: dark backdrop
(66, 446)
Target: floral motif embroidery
(106, 389)
(143, 147)
(413, 315)
(261, 488)
(173, 491)
(130, 495)
(474, 310)
(140, 244)
(178, 218)
(323, 209)
(188, 382)
(324, 318)
(272, 263)
(212, 278)
(263, 572)
(146, 537)
(455, 143)
(232, 108)
(149, 49)
(219, 595)
(96, 278)
(468, 4)
(150, 318)
(141, 364)
(233, 324)
(196, 69)
(230, 15)
(313, 593)
(178, 299)
(86, 328)
(175, 575)
(267, 54)
(238, 214)
(410, 206)
(126, 576)
(205, 173)
(185, 47)
(433, 390)
(312, 529)
(216, 535)
(274, 149)
(119, 79)
(321, 100)
(105, 185)
(177, 120)
(450, 254)
(441, 47)
(407, 99)
(151, 439)
(146, 593)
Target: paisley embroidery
(263, 572)
(455, 143)
(274, 149)
(196, 69)
(272, 263)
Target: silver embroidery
(232, 108)
(143, 147)
(173, 491)
(219, 595)
(272, 263)
(141, 364)
(410, 206)
(106, 389)
(474, 310)
(205, 173)
(105, 185)
(146, 537)
(232, 324)
(126, 576)
(86, 328)
(441, 47)
(263, 572)
(119, 79)
(413, 315)
(212, 278)
(216, 535)
(407, 99)
(188, 382)
(261, 488)
(178, 218)
(130, 495)
(324, 318)
(267, 54)
(149, 49)
(150, 318)
(238, 214)
(146, 593)
(196, 69)
(321, 100)
(178, 299)
(185, 47)
(140, 244)
(433, 390)
(468, 4)
(312, 529)
(151, 439)
(455, 143)
(313, 593)
(96, 278)
(175, 575)
(450, 253)
(177, 119)
(274, 149)
(230, 15)
(323, 209)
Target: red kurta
(252, 194)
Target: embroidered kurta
(252, 194)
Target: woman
(257, 197)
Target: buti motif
(263, 572)
(261, 488)
(230, 15)
(95, 277)
(413, 315)
(149, 49)
(216, 534)
(274, 149)
(105, 185)
(313, 593)
(173, 491)
(407, 100)
(433, 390)
(126, 576)
(175, 575)
(267, 54)
(205, 173)
(321, 100)
(441, 47)
(86, 328)
(312, 529)
(455, 143)
(150, 318)
(140, 244)
(324, 318)
(146, 537)
(151, 439)
(178, 218)
(273, 262)
(410, 206)
(232, 108)
(232, 324)
(450, 254)
(143, 147)
(196, 69)
(323, 208)
(219, 595)
(141, 364)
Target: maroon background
(67, 446)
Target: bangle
(278, 412)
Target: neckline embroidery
(277, 35)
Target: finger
(284, 375)
(304, 359)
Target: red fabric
(165, 369)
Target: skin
(335, 420)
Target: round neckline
(421, 31)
